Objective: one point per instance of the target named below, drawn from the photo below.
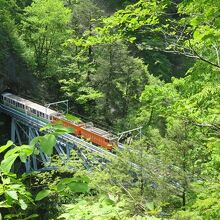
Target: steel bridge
(24, 128)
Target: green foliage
(45, 29)
(9, 158)
(5, 147)
(72, 118)
(13, 189)
(123, 21)
(83, 94)
(14, 194)
(106, 207)
(121, 77)
(107, 70)
(77, 184)
(47, 143)
(42, 194)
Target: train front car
(29, 108)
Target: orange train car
(98, 136)
(89, 132)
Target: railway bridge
(24, 128)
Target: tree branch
(202, 58)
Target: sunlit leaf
(22, 204)
(7, 163)
(47, 143)
(78, 187)
(3, 148)
(42, 194)
(13, 194)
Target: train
(84, 130)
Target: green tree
(121, 78)
(45, 28)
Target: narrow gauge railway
(85, 130)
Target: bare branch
(217, 54)
(202, 58)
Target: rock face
(14, 74)
(5, 124)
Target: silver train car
(30, 108)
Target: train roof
(30, 104)
(101, 132)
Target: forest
(153, 64)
